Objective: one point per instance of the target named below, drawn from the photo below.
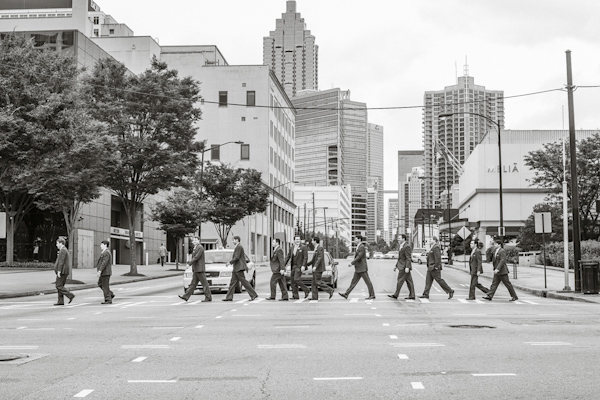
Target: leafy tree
(178, 216)
(548, 168)
(37, 92)
(152, 118)
(529, 240)
(231, 195)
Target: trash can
(590, 281)
(527, 258)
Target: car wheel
(335, 284)
(238, 287)
(253, 281)
(420, 262)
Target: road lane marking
(241, 301)
(411, 325)
(281, 346)
(299, 301)
(341, 378)
(199, 326)
(470, 315)
(98, 313)
(530, 302)
(84, 393)
(518, 302)
(354, 300)
(377, 315)
(417, 385)
(410, 301)
(167, 327)
(140, 317)
(314, 301)
(549, 343)
(41, 319)
(499, 374)
(424, 300)
(145, 346)
(463, 301)
(22, 327)
(403, 356)
(218, 317)
(122, 304)
(417, 345)
(247, 315)
(194, 302)
(77, 305)
(373, 308)
(235, 309)
(176, 338)
(386, 324)
(479, 301)
(139, 359)
(393, 337)
(153, 381)
(18, 347)
(135, 304)
(292, 327)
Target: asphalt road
(151, 345)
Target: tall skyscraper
(448, 142)
(392, 218)
(410, 200)
(375, 169)
(290, 51)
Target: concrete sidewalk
(531, 280)
(19, 282)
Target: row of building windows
(250, 98)
(215, 152)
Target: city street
(151, 345)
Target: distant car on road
(330, 275)
(377, 255)
(417, 254)
(218, 273)
(391, 255)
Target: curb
(87, 286)
(537, 292)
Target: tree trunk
(10, 240)
(131, 214)
(177, 241)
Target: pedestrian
(500, 274)
(278, 271)
(36, 251)
(199, 269)
(162, 253)
(404, 267)
(104, 271)
(297, 257)
(434, 271)
(360, 269)
(476, 269)
(238, 261)
(318, 266)
(62, 269)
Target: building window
(245, 152)
(251, 98)
(111, 31)
(215, 152)
(243, 119)
(222, 99)
(96, 32)
(96, 20)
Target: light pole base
(566, 289)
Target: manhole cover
(472, 326)
(12, 357)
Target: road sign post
(543, 225)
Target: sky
(389, 52)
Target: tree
(177, 216)
(548, 168)
(37, 91)
(152, 117)
(231, 195)
(529, 240)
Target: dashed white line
(424, 300)
(354, 300)
(218, 317)
(139, 359)
(403, 356)
(498, 374)
(417, 385)
(145, 346)
(341, 378)
(549, 343)
(153, 381)
(140, 317)
(84, 393)
(176, 338)
(417, 345)
(292, 327)
(199, 326)
(463, 301)
(281, 346)
(386, 324)
(393, 337)
(167, 327)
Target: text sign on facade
(464, 232)
(542, 222)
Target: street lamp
(273, 209)
(202, 179)
(449, 114)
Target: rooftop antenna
(456, 70)
(466, 67)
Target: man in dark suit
(199, 270)
(318, 264)
(62, 269)
(278, 270)
(360, 269)
(238, 261)
(476, 269)
(500, 274)
(434, 271)
(404, 266)
(297, 257)
(104, 271)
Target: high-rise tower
(448, 142)
(290, 51)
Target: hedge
(590, 250)
(28, 264)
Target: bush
(27, 264)
(512, 254)
(590, 250)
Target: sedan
(218, 273)
(330, 275)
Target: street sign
(2, 225)
(542, 222)
(464, 232)
(501, 231)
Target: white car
(377, 255)
(417, 254)
(218, 273)
(391, 255)
(330, 275)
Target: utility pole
(305, 229)
(325, 221)
(574, 188)
(314, 211)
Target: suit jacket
(238, 260)
(499, 261)
(277, 262)
(360, 259)
(299, 259)
(63, 262)
(434, 258)
(475, 262)
(104, 264)
(318, 260)
(404, 257)
(197, 261)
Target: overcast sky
(389, 52)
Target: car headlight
(225, 274)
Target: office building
(449, 141)
(375, 174)
(290, 51)
(410, 200)
(393, 217)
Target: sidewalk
(19, 282)
(531, 280)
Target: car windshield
(418, 250)
(217, 257)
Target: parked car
(377, 255)
(421, 257)
(391, 255)
(416, 255)
(218, 273)
(330, 275)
